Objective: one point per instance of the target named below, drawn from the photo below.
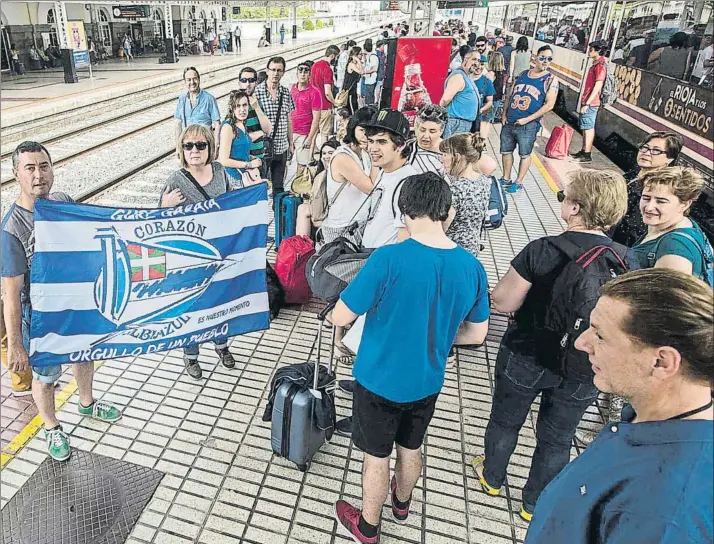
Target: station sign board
(130, 12)
(389, 5)
(462, 4)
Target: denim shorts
(44, 374)
(524, 136)
(587, 119)
(490, 115)
(456, 126)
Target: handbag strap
(190, 178)
(280, 107)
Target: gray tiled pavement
(224, 486)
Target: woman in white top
(349, 179)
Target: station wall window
(104, 29)
(566, 24)
(522, 19)
(158, 24)
(54, 39)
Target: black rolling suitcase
(297, 432)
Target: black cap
(391, 121)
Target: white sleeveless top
(343, 208)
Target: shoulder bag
(199, 188)
(268, 141)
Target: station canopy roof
(226, 3)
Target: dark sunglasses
(248, 79)
(304, 69)
(188, 146)
(561, 196)
(545, 59)
(480, 45)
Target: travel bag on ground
(286, 207)
(276, 293)
(559, 142)
(303, 408)
(567, 313)
(292, 257)
(497, 206)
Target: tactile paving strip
(89, 499)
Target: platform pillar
(70, 70)
(171, 56)
(294, 8)
(423, 17)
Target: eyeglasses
(561, 196)
(276, 70)
(188, 146)
(248, 79)
(481, 45)
(651, 150)
(304, 69)
(545, 59)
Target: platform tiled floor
(224, 486)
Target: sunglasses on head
(248, 79)
(201, 146)
(543, 58)
(561, 196)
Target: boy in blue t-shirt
(420, 297)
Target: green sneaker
(57, 444)
(100, 409)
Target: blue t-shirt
(204, 112)
(240, 150)
(636, 483)
(415, 298)
(485, 86)
(689, 243)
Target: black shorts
(378, 423)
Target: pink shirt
(306, 101)
(322, 75)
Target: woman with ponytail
(470, 189)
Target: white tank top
(344, 206)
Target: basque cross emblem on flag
(146, 263)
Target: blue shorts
(456, 126)
(490, 115)
(587, 119)
(524, 136)
(44, 374)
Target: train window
(522, 19)
(495, 18)
(566, 24)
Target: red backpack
(559, 142)
(290, 262)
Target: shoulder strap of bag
(337, 194)
(280, 104)
(190, 178)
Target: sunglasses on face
(248, 79)
(651, 150)
(481, 45)
(545, 59)
(201, 146)
(304, 70)
(561, 196)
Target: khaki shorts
(327, 128)
(302, 156)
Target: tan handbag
(302, 184)
(341, 98)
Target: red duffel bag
(559, 142)
(290, 262)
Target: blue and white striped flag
(112, 282)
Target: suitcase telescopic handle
(321, 319)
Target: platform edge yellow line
(548, 178)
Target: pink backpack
(290, 262)
(559, 142)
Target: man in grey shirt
(32, 167)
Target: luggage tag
(316, 393)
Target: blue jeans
(587, 119)
(191, 352)
(456, 126)
(369, 93)
(524, 136)
(519, 379)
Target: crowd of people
(415, 201)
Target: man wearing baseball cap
(387, 135)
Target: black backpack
(567, 313)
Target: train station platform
(45, 91)
(207, 443)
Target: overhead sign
(131, 12)
(389, 5)
(461, 4)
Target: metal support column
(294, 10)
(422, 18)
(618, 24)
(70, 70)
(171, 55)
(267, 21)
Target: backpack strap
(584, 258)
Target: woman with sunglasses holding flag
(199, 178)
(533, 95)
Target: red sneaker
(348, 517)
(400, 514)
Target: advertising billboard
(78, 43)
(419, 67)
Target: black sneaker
(226, 358)
(576, 155)
(344, 427)
(346, 386)
(192, 368)
(400, 514)
(584, 158)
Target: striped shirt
(252, 124)
(425, 161)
